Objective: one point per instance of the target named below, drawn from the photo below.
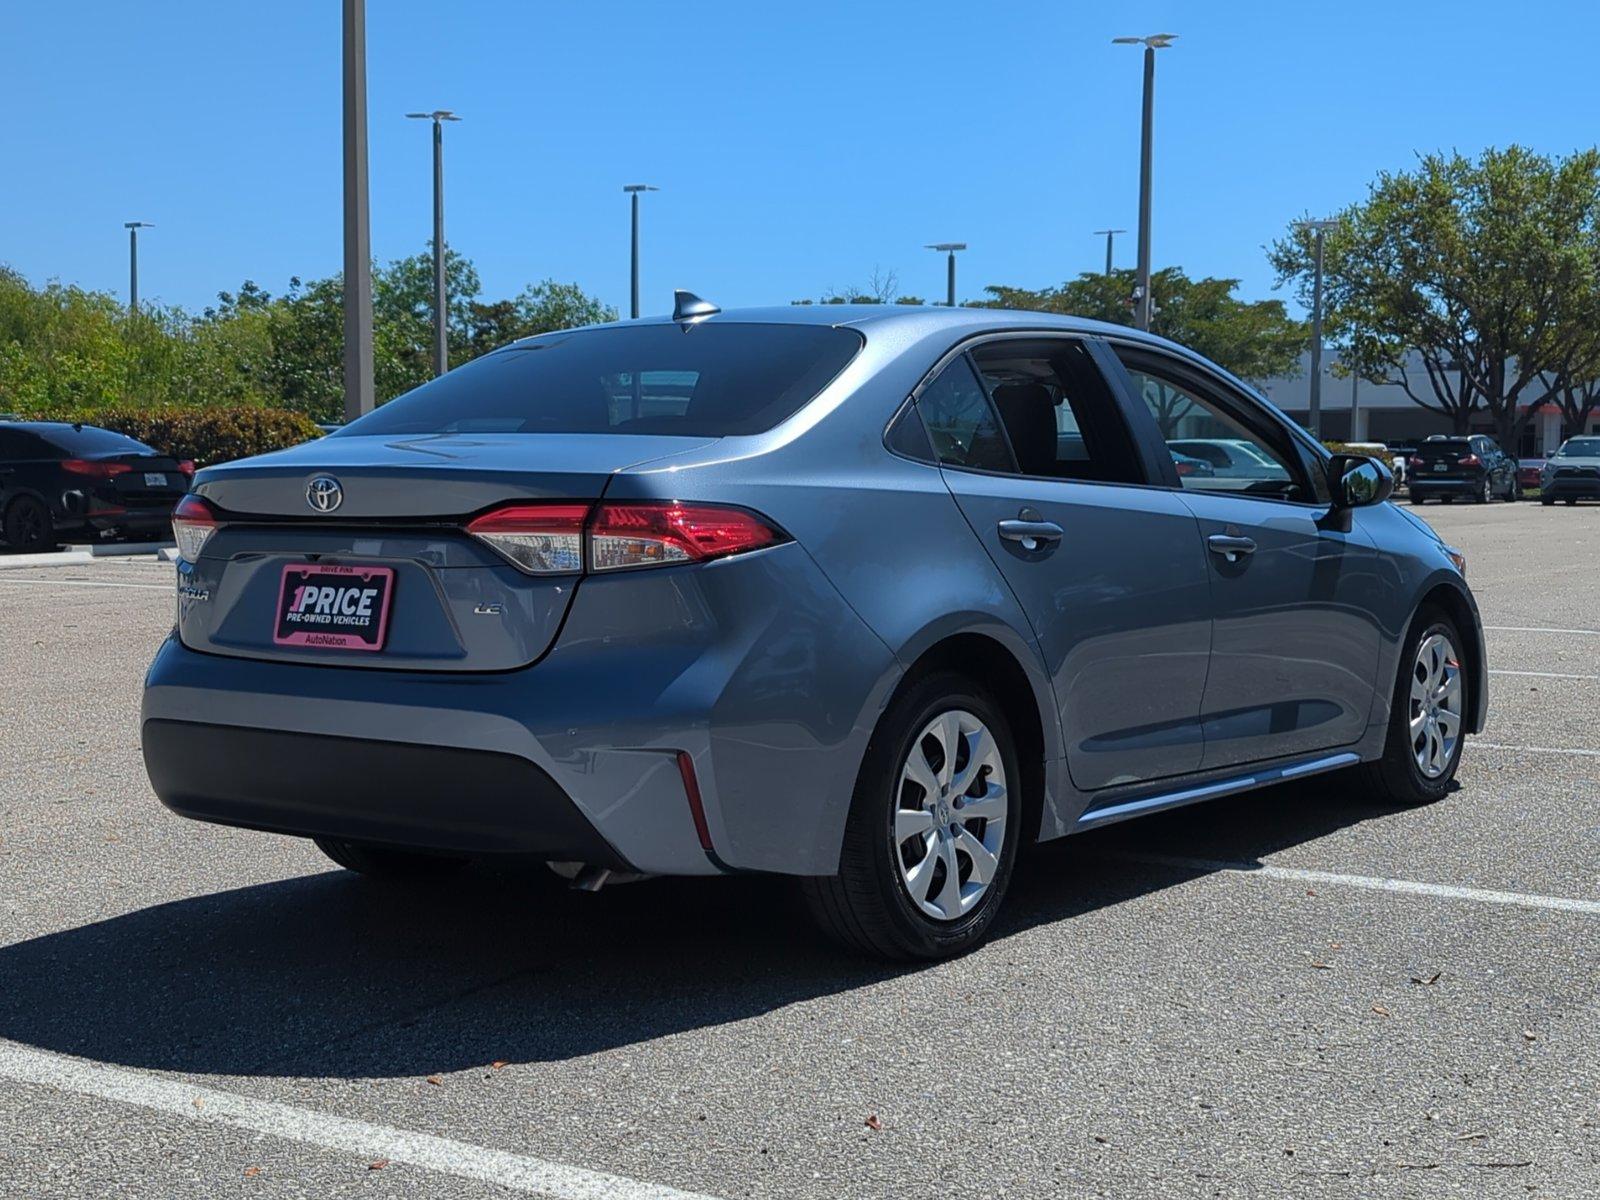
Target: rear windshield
(708, 380)
(1445, 446)
(90, 439)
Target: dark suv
(1473, 467)
(58, 479)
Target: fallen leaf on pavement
(1101, 1140)
(1320, 966)
(378, 1164)
(435, 1080)
(1530, 1035)
(1429, 981)
(1381, 1010)
(251, 1172)
(1472, 1137)
(498, 1064)
(873, 1123)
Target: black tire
(388, 862)
(866, 906)
(1416, 499)
(1547, 501)
(1482, 496)
(1447, 499)
(1570, 500)
(28, 527)
(1396, 778)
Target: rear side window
(708, 380)
(961, 423)
(90, 439)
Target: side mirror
(1359, 481)
(1356, 481)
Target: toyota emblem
(324, 493)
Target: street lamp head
(138, 225)
(1156, 41)
(1103, 232)
(639, 187)
(438, 114)
(1324, 223)
(947, 247)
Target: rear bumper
(436, 797)
(754, 667)
(1423, 485)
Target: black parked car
(1474, 467)
(58, 479)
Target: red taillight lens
(187, 467)
(94, 470)
(193, 523)
(1416, 460)
(1185, 468)
(1470, 460)
(655, 534)
(565, 538)
(542, 539)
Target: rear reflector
(649, 535)
(555, 539)
(193, 523)
(542, 539)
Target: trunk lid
(454, 603)
(1442, 460)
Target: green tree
(1255, 339)
(1482, 271)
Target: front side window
(716, 379)
(1214, 447)
(961, 423)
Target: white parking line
(146, 587)
(1536, 749)
(1541, 629)
(187, 1102)
(1375, 883)
(1542, 674)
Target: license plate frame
(354, 616)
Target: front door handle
(1031, 534)
(1230, 546)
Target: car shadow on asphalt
(332, 975)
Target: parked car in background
(821, 591)
(1474, 468)
(60, 480)
(1230, 458)
(1191, 466)
(1572, 473)
(1399, 459)
(1530, 474)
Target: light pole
(358, 389)
(1156, 41)
(1314, 409)
(1110, 234)
(441, 299)
(133, 228)
(949, 248)
(633, 190)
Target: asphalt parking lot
(1294, 993)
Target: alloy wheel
(950, 815)
(1435, 705)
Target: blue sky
(798, 146)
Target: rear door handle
(1031, 534)
(1231, 547)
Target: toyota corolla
(870, 597)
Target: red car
(1528, 473)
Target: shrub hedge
(207, 435)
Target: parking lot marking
(1541, 629)
(187, 1102)
(148, 587)
(1543, 674)
(1410, 887)
(1537, 749)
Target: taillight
(187, 467)
(94, 470)
(1470, 460)
(193, 523)
(1416, 460)
(1185, 468)
(565, 538)
(655, 534)
(542, 539)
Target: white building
(1384, 413)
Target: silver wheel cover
(1435, 705)
(950, 815)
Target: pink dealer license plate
(334, 608)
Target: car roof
(911, 318)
